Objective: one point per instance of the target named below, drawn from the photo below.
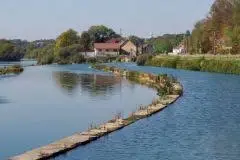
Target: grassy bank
(208, 63)
(12, 69)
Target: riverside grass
(197, 63)
(12, 69)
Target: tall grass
(206, 64)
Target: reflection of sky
(42, 110)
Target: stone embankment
(169, 90)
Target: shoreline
(11, 69)
(203, 63)
(169, 89)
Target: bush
(91, 60)
(142, 59)
(45, 59)
(78, 58)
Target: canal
(46, 103)
(203, 124)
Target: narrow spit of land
(11, 69)
(168, 89)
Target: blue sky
(38, 19)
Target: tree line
(219, 32)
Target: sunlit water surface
(204, 124)
(46, 103)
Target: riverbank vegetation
(11, 50)
(69, 47)
(12, 69)
(207, 63)
(165, 85)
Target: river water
(204, 124)
(47, 103)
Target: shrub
(142, 59)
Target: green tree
(67, 38)
(9, 51)
(162, 46)
(136, 40)
(101, 33)
(85, 41)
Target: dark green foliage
(34, 49)
(142, 59)
(101, 33)
(10, 51)
(165, 43)
(136, 40)
(91, 60)
(162, 46)
(85, 41)
(45, 55)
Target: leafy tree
(85, 41)
(101, 33)
(136, 40)
(218, 31)
(9, 51)
(162, 46)
(67, 38)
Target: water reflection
(3, 100)
(93, 84)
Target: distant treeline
(12, 50)
(65, 49)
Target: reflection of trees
(93, 84)
(98, 84)
(67, 81)
(3, 100)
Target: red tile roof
(107, 45)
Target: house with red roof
(115, 47)
(104, 49)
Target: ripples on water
(203, 125)
(46, 103)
